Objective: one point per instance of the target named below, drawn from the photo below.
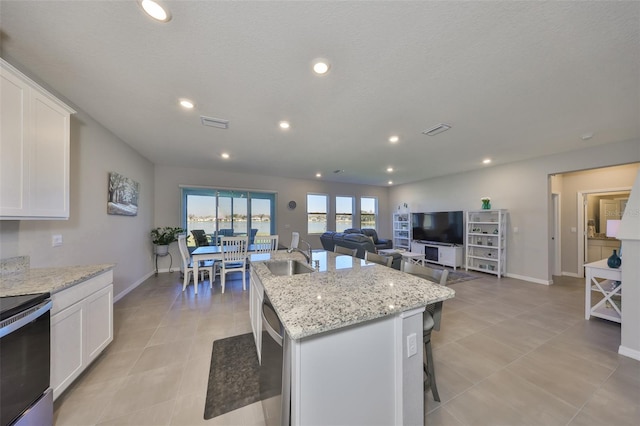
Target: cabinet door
(49, 182)
(256, 298)
(14, 151)
(446, 256)
(66, 347)
(98, 331)
(594, 253)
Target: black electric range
(11, 305)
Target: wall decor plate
(292, 205)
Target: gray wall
(609, 178)
(90, 236)
(524, 189)
(168, 202)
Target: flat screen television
(438, 227)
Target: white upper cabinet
(34, 149)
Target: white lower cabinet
(81, 328)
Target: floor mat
(234, 376)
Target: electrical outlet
(56, 240)
(412, 347)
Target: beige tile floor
(508, 353)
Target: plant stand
(162, 251)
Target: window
(316, 213)
(368, 212)
(344, 213)
(238, 212)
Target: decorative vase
(486, 205)
(614, 260)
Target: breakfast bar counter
(352, 342)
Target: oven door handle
(14, 323)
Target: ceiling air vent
(214, 122)
(436, 129)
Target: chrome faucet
(306, 254)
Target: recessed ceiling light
(321, 66)
(394, 139)
(284, 125)
(318, 175)
(155, 10)
(486, 161)
(186, 103)
(437, 129)
(390, 182)
(224, 155)
(389, 169)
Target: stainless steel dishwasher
(275, 371)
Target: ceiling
(515, 80)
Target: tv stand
(440, 253)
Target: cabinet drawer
(78, 292)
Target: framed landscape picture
(122, 195)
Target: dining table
(214, 253)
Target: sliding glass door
(228, 212)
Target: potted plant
(161, 237)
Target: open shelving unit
(486, 241)
(401, 231)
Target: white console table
(608, 282)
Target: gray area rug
(234, 376)
(456, 276)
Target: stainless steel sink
(288, 267)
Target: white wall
(629, 233)
(168, 202)
(90, 236)
(524, 189)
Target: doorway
(597, 207)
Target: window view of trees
(368, 212)
(316, 213)
(344, 213)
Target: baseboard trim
(132, 287)
(570, 274)
(530, 279)
(628, 352)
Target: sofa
(353, 240)
(381, 244)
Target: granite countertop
(602, 237)
(52, 280)
(342, 292)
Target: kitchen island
(352, 347)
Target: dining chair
(431, 317)
(200, 237)
(234, 258)
(252, 235)
(378, 258)
(208, 266)
(265, 244)
(345, 250)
